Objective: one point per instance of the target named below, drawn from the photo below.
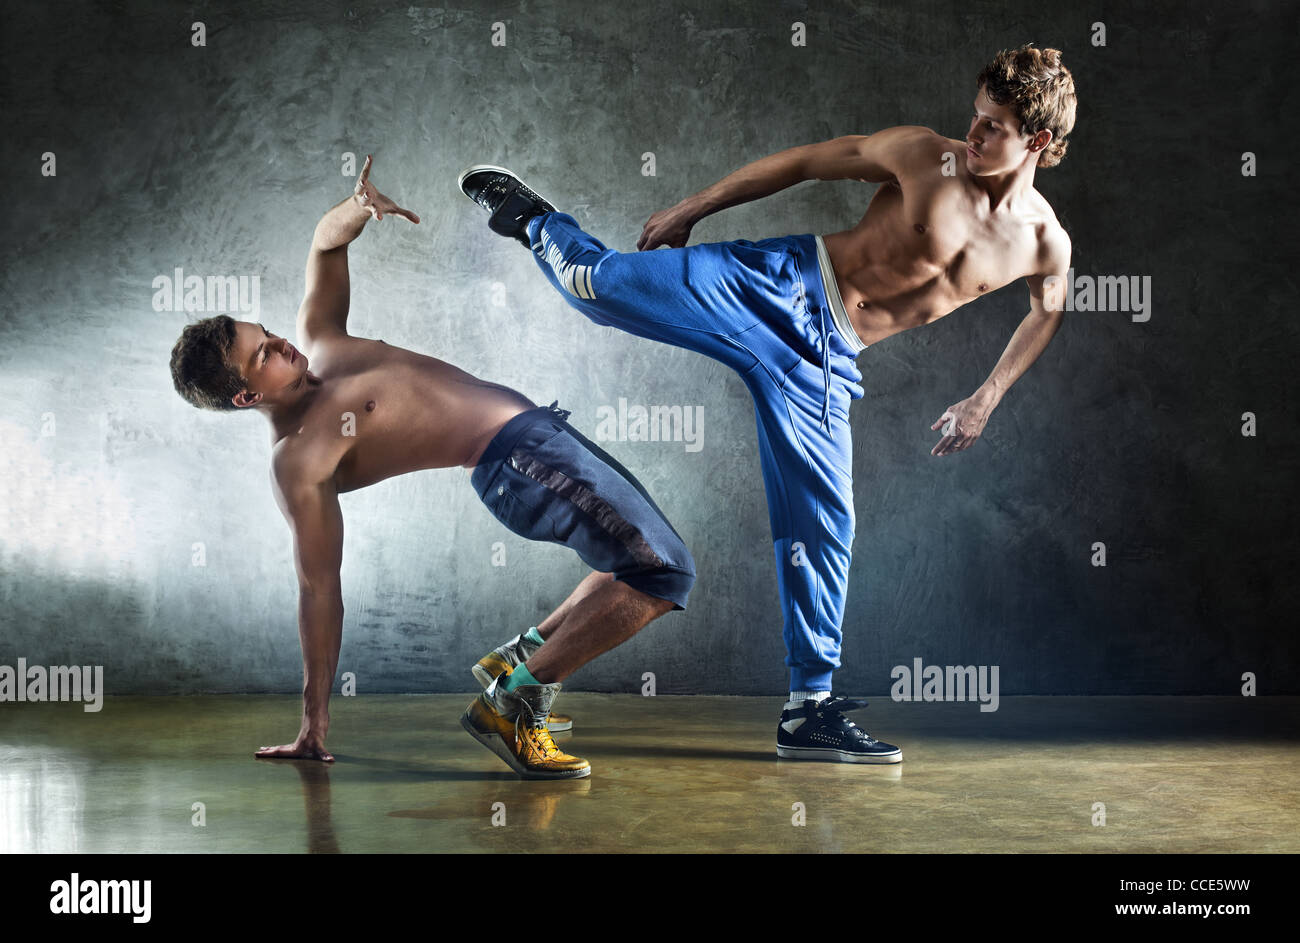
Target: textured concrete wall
(219, 160)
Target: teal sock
(534, 636)
(521, 675)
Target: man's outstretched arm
(871, 158)
(326, 294)
(314, 516)
(964, 422)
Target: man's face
(994, 143)
(270, 363)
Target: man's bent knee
(671, 584)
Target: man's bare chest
(934, 235)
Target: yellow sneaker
(501, 661)
(512, 725)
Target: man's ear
(244, 399)
(1040, 140)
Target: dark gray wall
(219, 160)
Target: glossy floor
(1191, 774)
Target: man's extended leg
(701, 298)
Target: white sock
(798, 697)
(796, 700)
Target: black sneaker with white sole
(503, 195)
(820, 731)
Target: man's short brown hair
(1039, 89)
(201, 371)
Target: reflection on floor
(1169, 774)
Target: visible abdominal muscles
(880, 311)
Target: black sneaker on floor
(826, 734)
(503, 195)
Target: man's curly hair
(201, 371)
(1039, 89)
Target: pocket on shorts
(539, 434)
(521, 512)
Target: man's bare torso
(381, 411)
(929, 244)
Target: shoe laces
(533, 727)
(835, 706)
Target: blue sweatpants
(759, 308)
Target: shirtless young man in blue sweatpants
(953, 221)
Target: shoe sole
(460, 181)
(823, 753)
(498, 746)
(485, 681)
